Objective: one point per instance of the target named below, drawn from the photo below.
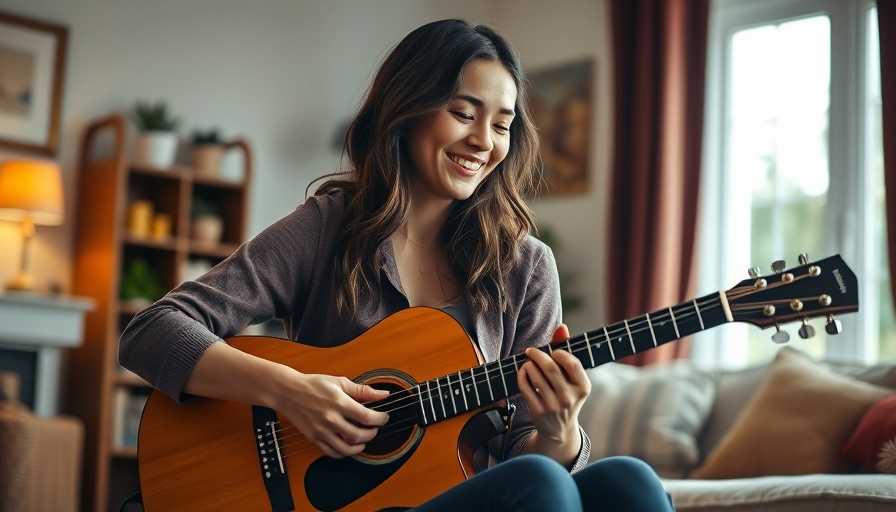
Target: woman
(431, 214)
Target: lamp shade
(31, 189)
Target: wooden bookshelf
(107, 186)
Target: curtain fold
(659, 50)
(886, 20)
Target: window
(793, 164)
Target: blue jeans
(537, 483)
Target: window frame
(847, 190)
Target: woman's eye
(501, 128)
(463, 115)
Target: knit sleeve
(260, 281)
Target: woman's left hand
(555, 386)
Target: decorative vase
(155, 149)
(208, 228)
(207, 159)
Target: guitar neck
(475, 387)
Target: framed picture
(32, 68)
(561, 102)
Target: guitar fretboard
(465, 390)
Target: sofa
(793, 434)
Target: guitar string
(577, 343)
(578, 346)
(635, 327)
(392, 430)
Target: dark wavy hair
(482, 234)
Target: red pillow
(872, 445)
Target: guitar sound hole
(395, 436)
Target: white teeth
(467, 164)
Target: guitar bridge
(270, 459)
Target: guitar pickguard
(333, 484)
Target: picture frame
(560, 97)
(32, 71)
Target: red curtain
(886, 20)
(659, 72)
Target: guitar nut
(796, 305)
(825, 300)
(760, 283)
(814, 271)
(769, 310)
(787, 278)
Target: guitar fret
(590, 353)
(475, 387)
(674, 323)
(650, 326)
(699, 316)
(451, 394)
(463, 391)
(630, 339)
(432, 404)
(422, 407)
(503, 381)
(609, 344)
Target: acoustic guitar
(443, 403)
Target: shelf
(218, 182)
(123, 452)
(130, 379)
(169, 242)
(111, 190)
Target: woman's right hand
(329, 412)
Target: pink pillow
(872, 445)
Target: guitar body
(203, 455)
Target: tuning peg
(779, 266)
(806, 331)
(833, 327)
(754, 272)
(780, 336)
(804, 259)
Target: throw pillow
(795, 424)
(872, 445)
(653, 413)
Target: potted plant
(207, 152)
(140, 284)
(207, 224)
(156, 143)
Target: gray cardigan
(286, 272)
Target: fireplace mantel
(43, 325)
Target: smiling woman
(430, 214)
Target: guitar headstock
(813, 289)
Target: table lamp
(30, 193)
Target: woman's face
(454, 149)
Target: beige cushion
(653, 413)
(795, 424)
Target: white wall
(546, 34)
(285, 74)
